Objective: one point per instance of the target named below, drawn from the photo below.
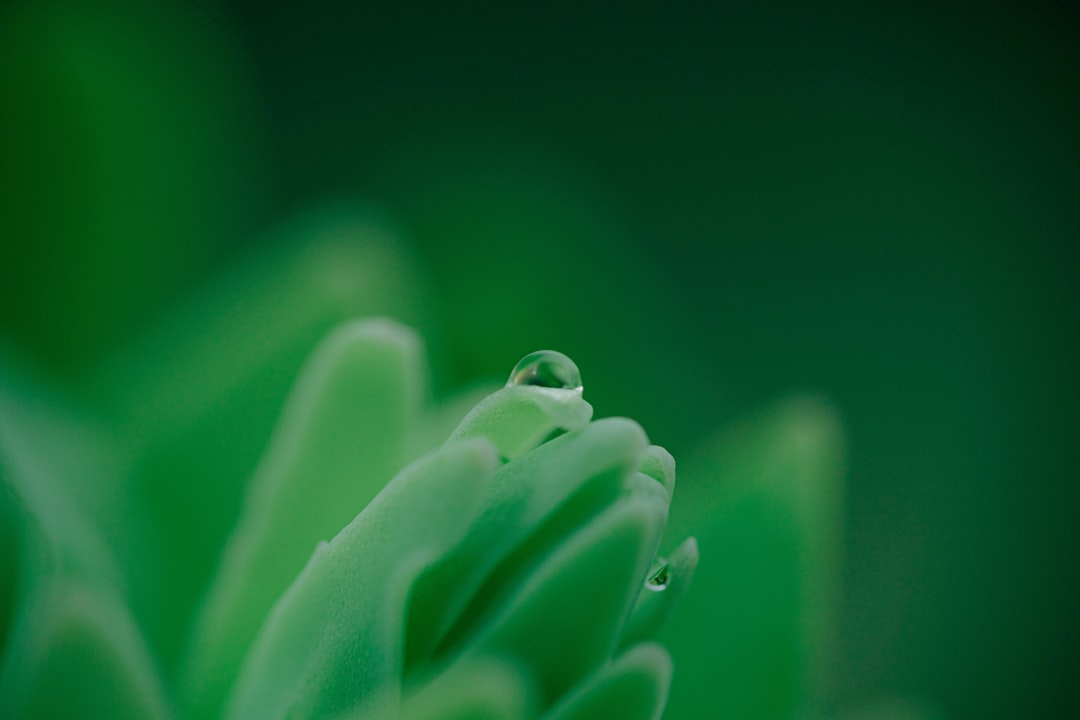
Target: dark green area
(706, 209)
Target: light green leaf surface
(484, 689)
(633, 687)
(519, 417)
(657, 463)
(528, 518)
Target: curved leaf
(531, 505)
(563, 620)
(518, 417)
(485, 689)
(633, 687)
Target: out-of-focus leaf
(753, 638)
(197, 396)
(62, 473)
(485, 689)
(633, 687)
(344, 433)
(71, 647)
(334, 643)
(77, 653)
(258, 319)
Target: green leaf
(484, 689)
(531, 506)
(344, 433)
(334, 643)
(658, 464)
(444, 415)
(517, 418)
(633, 687)
(256, 320)
(563, 620)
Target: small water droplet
(659, 579)
(546, 368)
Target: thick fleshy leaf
(531, 506)
(658, 464)
(563, 620)
(334, 643)
(764, 501)
(633, 687)
(484, 689)
(519, 417)
(343, 434)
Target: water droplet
(659, 579)
(546, 368)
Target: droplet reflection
(546, 368)
(659, 579)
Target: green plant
(507, 572)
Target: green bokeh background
(706, 208)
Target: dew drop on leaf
(546, 368)
(658, 580)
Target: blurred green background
(706, 208)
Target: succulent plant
(183, 536)
(508, 571)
